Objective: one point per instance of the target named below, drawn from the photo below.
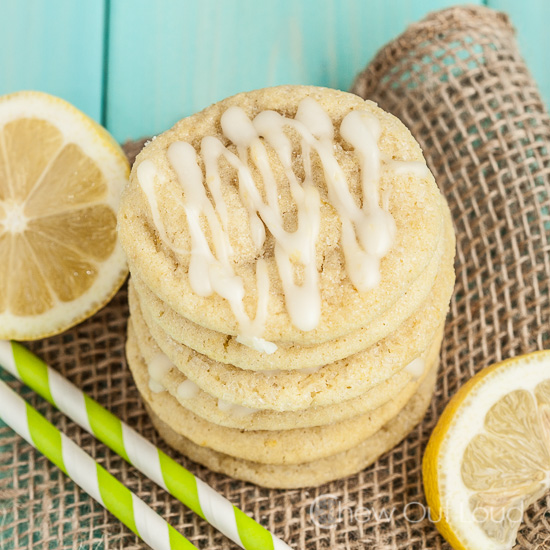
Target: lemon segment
(73, 227)
(488, 458)
(32, 156)
(61, 176)
(72, 175)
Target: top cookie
(288, 214)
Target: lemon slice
(61, 176)
(488, 458)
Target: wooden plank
(169, 59)
(55, 46)
(531, 17)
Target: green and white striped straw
(137, 450)
(87, 474)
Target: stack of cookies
(291, 265)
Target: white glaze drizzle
(367, 230)
(413, 167)
(416, 367)
(156, 387)
(157, 368)
(235, 410)
(187, 390)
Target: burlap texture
(458, 82)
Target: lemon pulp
(58, 241)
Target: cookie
(169, 379)
(279, 447)
(316, 472)
(291, 214)
(292, 265)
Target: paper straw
(87, 474)
(137, 450)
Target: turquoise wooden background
(137, 66)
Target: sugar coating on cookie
(287, 214)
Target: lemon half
(488, 458)
(61, 176)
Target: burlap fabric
(459, 83)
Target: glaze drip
(187, 390)
(235, 410)
(416, 367)
(157, 369)
(368, 230)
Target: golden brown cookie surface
(157, 235)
